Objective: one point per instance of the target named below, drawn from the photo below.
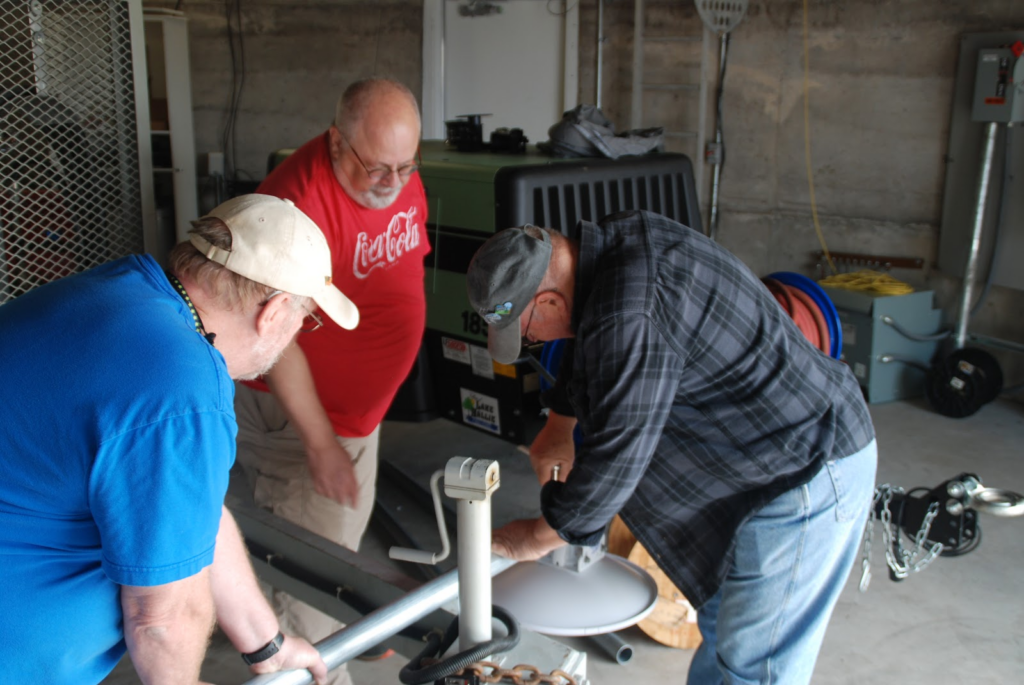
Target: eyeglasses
(306, 327)
(315, 325)
(378, 174)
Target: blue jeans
(766, 623)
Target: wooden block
(674, 620)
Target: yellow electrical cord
(868, 281)
(807, 142)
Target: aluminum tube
(377, 626)
(474, 540)
(614, 646)
(636, 110)
(713, 219)
(970, 270)
(600, 49)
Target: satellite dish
(608, 595)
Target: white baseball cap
(274, 243)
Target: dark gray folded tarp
(585, 131)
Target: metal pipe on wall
(713, 219)
(377, 626)
(971, 268)
(636, 114)
(600, 49)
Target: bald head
(376, 103)
(374, 140)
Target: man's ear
(273, 313)
(553, 298)
(335, 142)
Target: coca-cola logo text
(401, 236)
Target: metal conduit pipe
(614, 646)
(375, 627)
(717, 175)
(978, 225)
(600, 49)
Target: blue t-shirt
(117, 432)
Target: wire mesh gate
(70, 188)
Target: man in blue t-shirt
(116, 438)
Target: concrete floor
(960, 620)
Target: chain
(901, 561)
(922, 536)
(891, 557)
(869, 537)
(522, 674)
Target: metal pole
(636, 114)
(713, 222)
(970, 270)
(372, 629)
(614, 646)
(600, 49)
(474, 579)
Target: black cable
(719, 93)
(564, 12)
(241, 86)
(921, 337)
(413, 674)
(906, 360)
(229, 137)
(226, 133)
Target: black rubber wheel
(964, 381)
(987, 370)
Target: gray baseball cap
(503, 276)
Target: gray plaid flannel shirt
(698, 399)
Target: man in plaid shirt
(741, 457)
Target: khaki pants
(274, 462)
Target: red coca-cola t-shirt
(377, 261)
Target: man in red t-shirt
(309, 445)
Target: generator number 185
(473, 323)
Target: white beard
(379, 198)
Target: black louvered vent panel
(560, 195)
(670, 205)
(540, 216)
(571, 217)
(627, 195)
(586, 206)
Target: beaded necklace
(191, 307)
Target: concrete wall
(880, 85)
(299, 57)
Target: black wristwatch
(265, 652)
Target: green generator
(470, 196)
